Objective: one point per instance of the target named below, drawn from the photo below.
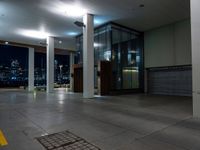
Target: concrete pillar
(195, 30)
(50, 64)
(31, 69)
(71, 71)
(88, 56)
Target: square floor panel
(65, 141)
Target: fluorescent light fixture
(75, 11)
(72, 33)
(34, 34)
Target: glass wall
(127, 49)
(13, 66)
(61, 72)
(124, 48)
(102, 45)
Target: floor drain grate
(65, 141)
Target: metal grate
(65, 141)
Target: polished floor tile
(129, 122)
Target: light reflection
(61, 97)
(34, 94)
(97, 45)
(33, 34)
(107, 55)
(61, 102)
(63, 9)
(45, 134)
(74, 11)
(71, 33)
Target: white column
(50, 64)
(195, 29)
(71, 71)
(88, 56)
(31, 69)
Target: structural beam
(50, 64)
(31, 69)
(88, 56)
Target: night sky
(9, 53)
(40, 60)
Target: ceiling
(46, 15)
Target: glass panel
(126, 58)
(40, 69)
(61, 72)
(124, 48)
(13, 66)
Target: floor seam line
(31, 121)
(165, 127)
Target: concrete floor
(131, 122)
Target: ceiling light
(60, 42)
(99, 21)
(141, 5)
(72, 33)
(75, 11)
(34, 34)
(6, 43)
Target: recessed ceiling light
(34, 34)
(141, 5)
(75, 11)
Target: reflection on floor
(131, 122)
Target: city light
(34, 34)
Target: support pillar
(50, 64)
(31, 69)
(88, 56)
(195, 32)
(71, 71)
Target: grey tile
(180, 137)
(117, 140)
(113, 122)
